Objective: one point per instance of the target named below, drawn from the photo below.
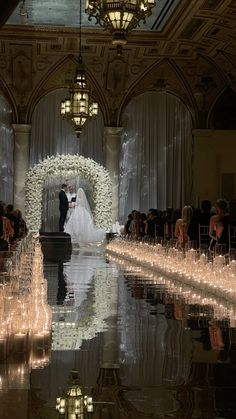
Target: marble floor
(143, 346)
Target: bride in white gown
(80, 225)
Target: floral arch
(67, 165)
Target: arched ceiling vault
(190, 50)
(60, 75)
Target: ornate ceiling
(66, 14)
(191, 53)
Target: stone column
(21, 163)
(112, 137)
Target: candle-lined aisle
(181, 294)
(215, 277)
(25, 317)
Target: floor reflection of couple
(80, 225)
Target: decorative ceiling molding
(198, 39)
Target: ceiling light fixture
(80, 106)
(119, 16)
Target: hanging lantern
(79, 107)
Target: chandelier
(73, 404)
(119, 16)
(79, 107)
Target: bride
(80, 225)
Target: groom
(63, 206)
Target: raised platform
(60, 241)
(54, 236)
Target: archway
(67, 165)
(156, 153)
(223, 113)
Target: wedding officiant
(71, 196)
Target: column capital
(113, 130)
(21, 128)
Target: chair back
(203, 235)
(232, 237)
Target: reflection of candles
(3, 346)
(47, 341)
(219, 261)
(20, 342)
(217, 277)
(38, 340)
(216, 337)
(9, 304)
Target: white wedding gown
(80, 225)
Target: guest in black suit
(63, 206)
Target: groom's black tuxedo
(63, 208)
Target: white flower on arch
(77, 165)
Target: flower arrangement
(71, 164)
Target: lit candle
(203, 259)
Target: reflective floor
(144, 346)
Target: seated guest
(168, 223)
(127, 229)
(222, 231)
(181, 226)
(14, 221)
(136, 224)
(221, 211)
(193, 226)
(155, 225)
(143, 223)
(4, 245)
(149, 211)
(176, 214)
(1, 226)
(22, 224)
(206, 213)
(8, 231)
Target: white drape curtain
(51, 135)
(156, 154)
(6, 152)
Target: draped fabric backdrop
(6, 152)
(156, 154)
(51, 135)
